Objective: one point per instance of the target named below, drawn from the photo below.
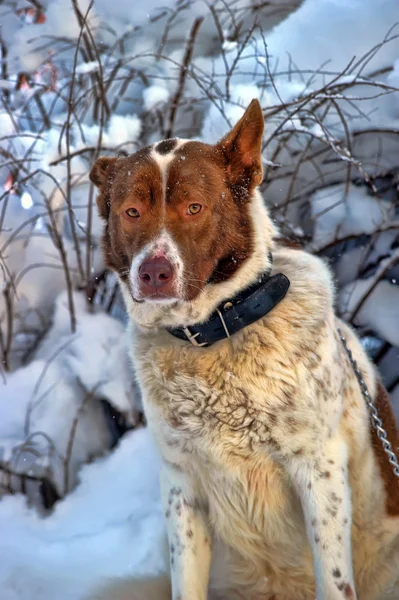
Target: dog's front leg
(322, 485)
(188, 534)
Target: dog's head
(185, 226)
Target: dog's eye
(194, 209)
(133, 212)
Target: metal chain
(375, 419)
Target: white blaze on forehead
(164, 161)
(162, 245)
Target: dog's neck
(153, 315)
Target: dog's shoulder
(312, 283)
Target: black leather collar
(232, 315)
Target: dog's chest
(232, 402)
(250, 506)
(205, 407)
(218, 426)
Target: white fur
(164, 161)
(329, 534)
(163, 245)
(189, 537)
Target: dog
(275, 485)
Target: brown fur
(385, 412)
(222, 189)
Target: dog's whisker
(194, 286)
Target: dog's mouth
(160, 298)
(157, 298)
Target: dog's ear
(242, 147)
(101, 176)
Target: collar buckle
(192, 338)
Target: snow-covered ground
(53, 408)
(110, 526)
(78, 79)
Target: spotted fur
(272, 484)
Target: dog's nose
(155, 274)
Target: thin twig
(183, 74)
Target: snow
(122, 129)
(7, 125)
(306, 51)
(69, 374)
(154, 96)
(110, 523)
(215, 126)
(87, 67)
(338, 213)
(31, 255)
(26, 201)
(59, 18)
(110, 526)
(384, 320)
(332, 32)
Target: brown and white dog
(274, 484)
